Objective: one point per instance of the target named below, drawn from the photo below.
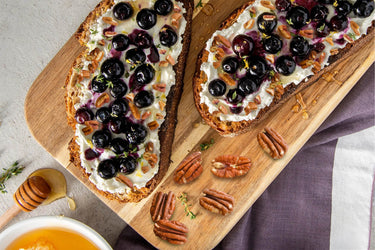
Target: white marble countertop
(32, 33)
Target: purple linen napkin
(295, 210)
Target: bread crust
(233, 128)
(166, 130)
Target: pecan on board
(217, 201)
(189, 169)
(172, 231)
(162, 206)
(272, 143)
(229, 166)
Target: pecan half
(189, 169)
(229, 166)
(162, 206)
(172, 231)
(273, 143)
(217, 201)
(151, 158)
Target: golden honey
(52, 239)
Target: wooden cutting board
(45, 115)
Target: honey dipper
(27, 197)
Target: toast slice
(122, 93)
(266, 51)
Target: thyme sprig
(15, 169)
(199, 4)
(183, 198)
(206, 145)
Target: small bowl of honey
(52, 232)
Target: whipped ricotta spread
(331, 42)
(163, 74)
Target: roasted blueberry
(283, 5)
(103, 114)
(120, 42)
(343, 7)
(146, 18)
(143, 99)
(118, 88)
(299, 46)
(108, 169)
(230, 64)
(248, 85)
(285, 65)
(163, 7)
(297, 17)
(119, 107)
(83, 114)
(143, 40)
(235, 96)
(322, 29)
(91, 154)
(242, 45)
(236, 109)
(135, 56)
(98, 84)
(112, 68)
(267, 22)
(119, 145)
(135, 133)
(116, 124)
(318, 47)
(363, 8)
(319, 13)
(272, 44)
(144, 74)
(258, 66)
(167, 36)
(217, 87)
(122, 11)
(127, 165)
(338, 23)
(101, 138)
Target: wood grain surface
(45, 115)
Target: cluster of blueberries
(113, 117)
(296, 17)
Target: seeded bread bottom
(166, 130)
(233, 128)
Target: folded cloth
(294, 212)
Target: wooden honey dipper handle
(27, 197)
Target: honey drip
(56, 181)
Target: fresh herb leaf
(289, 21)
(94, 32)
(139, 159)
(321, 27)
(109, 46)
(158, 46)
(127, 74)
(183, 198)
(206, 145)
(352, 36)
(199, 4)
(234, 95)
(79, 85)
(15, 169)
(109, 84)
